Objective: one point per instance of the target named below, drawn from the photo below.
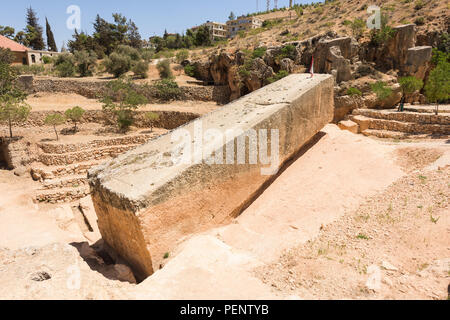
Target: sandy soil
(63, 101)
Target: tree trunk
(437, 108)
(10, 128)
(56, 132)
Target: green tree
(55, 119)
(117, 64)
(75, 114)
(7, 31)
(152, 117)
(65, 65)
(409, 85)
(34, 31)
(438, 85)
(13, 108)
(51, 44)
(122, 100)
(85, 62)
(6, 56)
(232, 16)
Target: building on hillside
(24, 55)
(36, 56)
(218, 31)
(243, 24)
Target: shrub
(189, 70)
(140, 69)
(410, 84)
(147, 54)
(6, 56)
(152, 117)
(65, 65)
(131, 52)
(259, 52)
(85, 62)
(383, 35)
(165, 72)
(420, 21)
(46, 59)
(167, 89)
(117, 64)
(354, 92)
(381, 90)
(54, 120)
(75, 114)
(419, 5)
(358, 26)
(280, 75)
(122, 100)
(182, 55)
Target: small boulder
(349, 126)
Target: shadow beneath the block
(102, 259)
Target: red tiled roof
(12, 45)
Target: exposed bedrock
(147, 199)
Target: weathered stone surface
(336, 61)
(417, 61)
(146, 202)
(363, 122)
(349, 126)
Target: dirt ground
(395, 246)
(63, 101)
(353, 217)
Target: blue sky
(151, 16)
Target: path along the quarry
(329, 180)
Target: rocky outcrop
(258, 74)
(343, 57)
(418, 61)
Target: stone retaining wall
(58, 148)
(422, 118)
(146, 203)
(167, 119)
(93, 89)
(74, 157)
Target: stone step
(51, 159)
(43, 173)
(406, 127)
(62, 195)
(412, 117)
(56, 148)
(72, 181)
(385, 134)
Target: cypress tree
(34, 31)
(51, 44)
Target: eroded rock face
(146, 201)
(259, 73)
(418, 61)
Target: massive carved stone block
(205, 173)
